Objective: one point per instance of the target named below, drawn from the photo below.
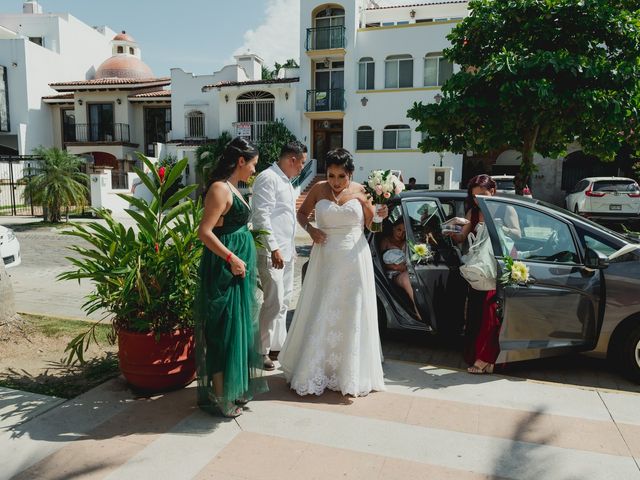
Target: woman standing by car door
(483, 324)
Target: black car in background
(584, 294)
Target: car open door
(438, 287)
(557, 311)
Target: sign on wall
(243, 129)
(4, 101)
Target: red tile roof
(250, 82)
(111, 82)
(424, 4)
(61, 96)
(154, 94)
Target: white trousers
(277, 288)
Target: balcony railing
(325, 100)
(102, 132)
(324, 38)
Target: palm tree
(58, 183)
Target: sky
(199, 36)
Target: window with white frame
(257, 110)
(367, 69)
(396, 136)
(437, 70)
(364, 138)
(195, 124)
(398, 71)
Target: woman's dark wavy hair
(340, 157)
(228, 161)
(483, 180)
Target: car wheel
(382, 320)
(630, 353)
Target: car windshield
(505, 184)
(624, 186)
(629, 237)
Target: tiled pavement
(430, 423)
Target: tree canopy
(537, 75)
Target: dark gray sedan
(584, 294)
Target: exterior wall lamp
(412, 13)
(226, 98)
(364, 101)
(438, 98)
(327, 62)
(286, 95)
(80, 102)
(118, 101)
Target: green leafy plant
(275, 135)
(145, 278)
(536, 76)
(207, 155)
(57, 183)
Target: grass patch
(51, 375)
(53, 327)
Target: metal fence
(14, 174)
(102, 132)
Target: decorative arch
(255, 109)
(194, 124)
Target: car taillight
(526, 191)
(591, 193)
(634, 195)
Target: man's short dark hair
(412, 180)
(293, 148)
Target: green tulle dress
(226, 316)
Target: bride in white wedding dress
(333, 341)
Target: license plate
(615, 207)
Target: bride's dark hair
(228, 161)
(340, 157)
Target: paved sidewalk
(430, 423)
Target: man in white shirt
(274, 210)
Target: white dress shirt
(274, 210)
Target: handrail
(325, 100)
(330, 37)
(304, 174)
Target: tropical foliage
(536, 75)
(207, 155)
(144, 277)
(275, 135)
(268, 74)
(57, 183)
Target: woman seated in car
(393, 247)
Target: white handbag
(480, 268)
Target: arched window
(396, 136)
(329, 29)
(131, 50)
(194, 124)
(437, 69)
(366, 73)
(120, 49)
(398, 71)
(364, 138)
(257, 110)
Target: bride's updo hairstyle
(228, 161)
(340, 157)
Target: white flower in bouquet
(420, 252)
(519, 272)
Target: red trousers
(487, 344)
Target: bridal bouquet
(381, 186)
(420, 252)
(515, 272)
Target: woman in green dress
(228, 361)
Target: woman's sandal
(477, 370)
(227, 409)
(242, 402)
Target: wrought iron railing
(304, 174)
(102, 132)
(324, 38)
(325, 100)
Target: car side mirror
(595, 260)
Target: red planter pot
(156, 365)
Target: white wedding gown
(333, 341)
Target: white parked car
(9, 248)
(506, 184)
(605, 198)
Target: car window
(603, 244)
(541, 237)
(505, 185)
(623, 186)
(580, 186)
(424, 219)
(453, 207)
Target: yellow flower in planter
(519, 272)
